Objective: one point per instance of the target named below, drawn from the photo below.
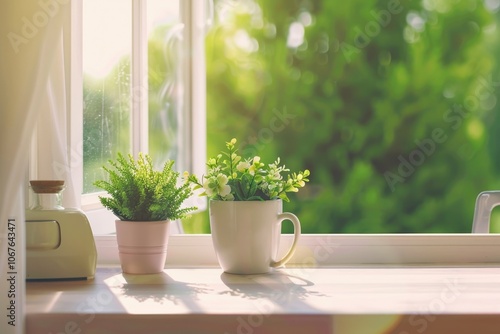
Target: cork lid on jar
(47, 186)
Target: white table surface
(365, 300)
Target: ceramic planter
(142, 246)
(246, 235)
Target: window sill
(345, 299)
(189, 250)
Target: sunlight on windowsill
(293, 299)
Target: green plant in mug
(231, 177)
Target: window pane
(106, 69)
(392, 105)
(165, 69)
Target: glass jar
(47, 194)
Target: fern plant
(137, 192)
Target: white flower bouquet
(232, 178)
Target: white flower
(243, 166)
(223, 188)
(217, 186)
(255, 165)
(208, 189)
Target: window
(107, 88)
(257, 87)
(142, 89)
(391, 104)
(384, 159)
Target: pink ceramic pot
(142, 246)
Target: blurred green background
(392, 105)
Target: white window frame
(193, 133)
(320, 249)
(437, 250)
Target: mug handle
(485, 203)
(296, 234)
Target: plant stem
(231, 162)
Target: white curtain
(50, 153)
(30, 33)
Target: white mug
(246, 235)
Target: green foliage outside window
(392, 105)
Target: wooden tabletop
(297, 300)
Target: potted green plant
(144, 200)
(246, 209)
